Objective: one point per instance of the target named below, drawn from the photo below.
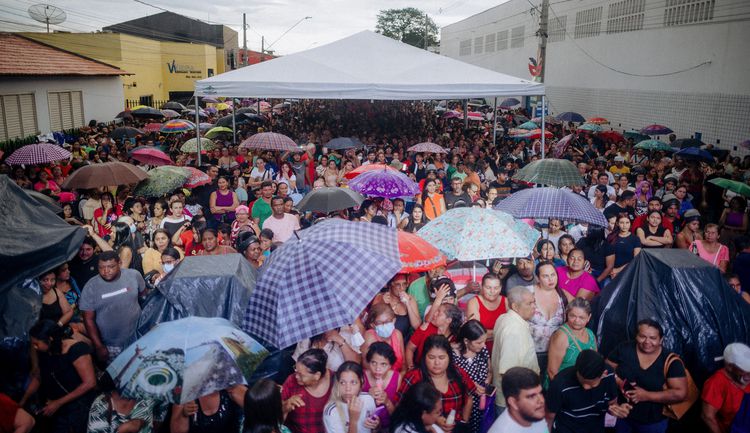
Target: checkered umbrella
(427, 147)
(40, 153)
(550, 172)
(384, 183)
(271, 141)
(551, 203)
(321, 280)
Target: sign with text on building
(190, 71)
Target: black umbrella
(147, 113)
(254, 117)
(173, 105)
(682, 143)
(342, 143)
(240, 119)
(124, 132)
(330, 199)
(44, 200)
(246, 110)
(124, 115)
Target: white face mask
(168, 267)
(132, 228)
(385, 330)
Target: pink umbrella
(197, 178)
(151, 157)
(152, 127)
(40, 153)
(427, 147)
(559, 148)
(451, 115)
(475, 115)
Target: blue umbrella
(570, 116)
(551, 203)
(695, 153)
(320, 280)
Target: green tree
(408, 25)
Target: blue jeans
(626, 426)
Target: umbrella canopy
(330, 199)
(535, 134)
(151, 156)
(559, 148)
(40, 153)
(125, 115)
(191, 113)
(570, 116)
(197, 178)
(162, 180)
(204, 126)
(655, 130)
(695, 153)
(152, 127)
(612, 136)
(732, 185)
(221, 106)
(683, 143)
(44, 200)
(170, 114)
(475, 115)
(218, 130)
(365, 168)
(509, 102)
(384, 183)
(417, 255)
(188, 358)
(427, 147)
(124, 132)
(591, 127)
(251, 110)
(479, 234)
(551, 203)
(550, 172)
(104, 174)
(635, 135)
(177, 126)
(341, 143)
(253, 117)
(745, 144)
(271, 141)
(327, 276)
(654, 145)
(528, 126)
(547, 119)
(146, 112)
(452, 114)
(598, 121)
(173, 105)
(191, 146)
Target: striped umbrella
(550, 172)
(40, 153)
(271, 141)
(551, 203)
(655, 130)
(427, 147)
(151, 156)
(191, 146)
(177, 126)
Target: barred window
(626, 16)
(679, 12)
(502, 40)
(557, 26)
(464, 48)
(516, 37)
(588, 23)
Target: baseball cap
(619, 159)
(739, 355)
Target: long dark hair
(471, 330)
(411, 226)
(440, 342)
(595, 238)
(122, 237)
(420, 398)
(48, 332)
(263, 408)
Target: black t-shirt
(615, 209)
(59, 376)
(650, 379)
(82, 271)
(463, 200)
(647, 232)
(625, 248)
(578, 410)
(504, 189)
(597, 257)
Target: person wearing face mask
(724, 392)
(170, 258)
(381, 327)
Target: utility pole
(244, 39)
(262, 48)
(426, 29)
(543, 26)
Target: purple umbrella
(551, 203)
(384, 183)
(40, 153)
(656, 130)
(451, 115)
(570, 116)
(427, 147)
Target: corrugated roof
(24, 57)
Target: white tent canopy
(365, 65)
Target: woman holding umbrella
(220, 411)
(306, 392)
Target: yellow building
(162, 70)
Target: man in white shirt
(281, 224)
(514, 346)
(525, 414)
(603, 179)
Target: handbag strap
(570, 334)
(672, 357)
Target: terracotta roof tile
(22, 56)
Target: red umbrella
(612, 136)
(152, 127)
(537, 134)
(151, 156)
(197, 178)
(598, 121)
(417, 255)
(365, 168)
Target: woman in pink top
(573, 280)
(381, 324)
(381, 380)
(710, 250)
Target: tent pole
(543, 121)
(466, 114)
(234, 124)
(494, 123)
(198, 128)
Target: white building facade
(680, 63)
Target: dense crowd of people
(510, 353)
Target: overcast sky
(331, 19)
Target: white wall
(713, 99)
(102, 96)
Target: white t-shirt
(506, 424)
(262, 175)
(407, 429)
(332, 416)
(283, 228)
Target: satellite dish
(47, 14)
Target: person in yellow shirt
(619, 168)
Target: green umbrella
(191, 146)
(213, 132)
(654, 145)
(732, 185)
(591, 127)
(550, 172)
(162, 180)
(528, 125)
(635, 135)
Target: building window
(17, 116)
(679, 12)
(464, 48)
(625, 16)
(479, 45)
(516, 37)
(489, 43)
(65, 110)
(588, 23)
(557, 27)
(502, 40)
